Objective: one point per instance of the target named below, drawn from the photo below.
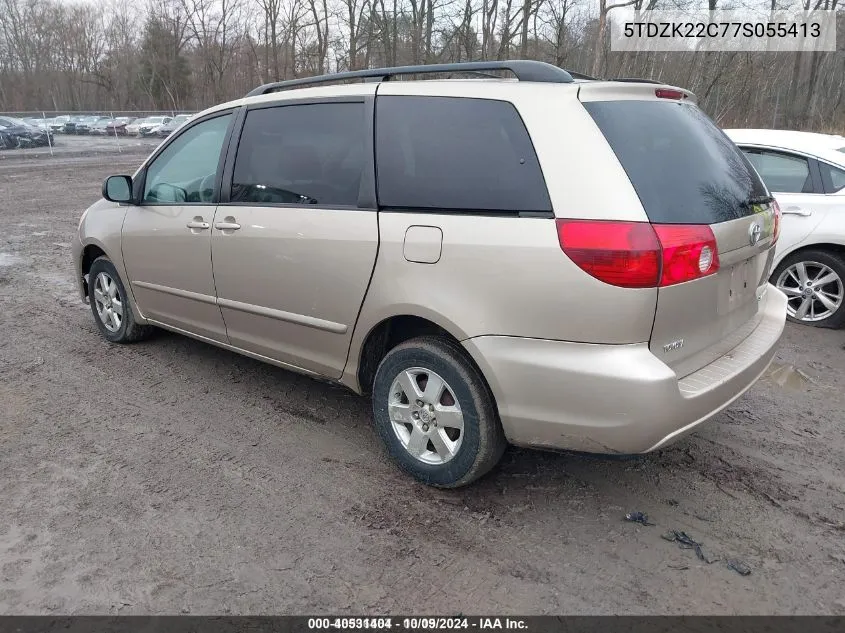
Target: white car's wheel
(814, 284)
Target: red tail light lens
(668, 93)
(625, 254)
(639, 254)
(689, 252)
(778, 213)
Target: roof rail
(525, 70)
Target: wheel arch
(89, 253)
(832, 246)
(371, 344)
(90, 250)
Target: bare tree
(179, 54)
(601, 45)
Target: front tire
(110, 305)
(435, 413)
(814, 284)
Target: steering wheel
(207, 188)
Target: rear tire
(435, 413)
(811, 302)
(110, 306)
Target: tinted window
(783, 173)
(684, 169)
(451, 153)
(185, 170)
(833, 178)
(301, 154)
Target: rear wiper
(756, 200)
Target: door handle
(793, 210)
(228, 224)
(198, 225)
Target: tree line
(190, 54)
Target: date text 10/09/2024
(417, 624)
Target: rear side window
(683, 168)
(783, 173)
(301, 154)
(833, 178)
(456, 154)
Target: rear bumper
(616, 398)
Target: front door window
(185, 171)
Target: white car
(806, 174)
(132, 128)
(151, 125)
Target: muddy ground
(174, 477)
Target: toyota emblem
(754, 233)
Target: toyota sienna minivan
(547, 260)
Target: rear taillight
(639, 254)
(623, 254)
(689, 252)
(778, 213)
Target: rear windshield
(683, 167)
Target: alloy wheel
(426, 415)
(814, 291)
(108, 302)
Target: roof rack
(525, 70)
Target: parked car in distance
(17, 134)
(57, 124)
(151, 125)
(84, 125)
(166, 129)
(491, 261)
(806, 173)
(132, 128)
(70, 124)
(118, 125)
(41, 124)
(100, 126)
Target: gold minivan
(551, 261)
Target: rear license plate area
(738, 286)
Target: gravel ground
(174, 477)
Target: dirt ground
(174, 477)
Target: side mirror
(118, 189)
